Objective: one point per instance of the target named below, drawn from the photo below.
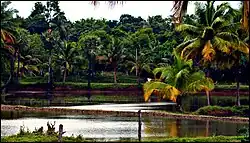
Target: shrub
(241, 110)
(223, 111)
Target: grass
(233, 86)
(194, 102)
(80, 85)
(106, 77)
(106, 81)
(76, 100)
(103, 98)
(97, 85)
(47, 138)
(102, 85)
(42, 138)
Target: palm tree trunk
(136, 66)
(208, 98)
(50, 80)
(138, 79)
(208, 92)
(238, 89)
(18, 65)
(64, 74)
(89, 78)
(178, 103)
(16, 59)
(114, 66)
(10, 80)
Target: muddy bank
(120, 113)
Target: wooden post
(61, 132)
(139, 125)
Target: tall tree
(67, 56)
(180, 8)
(8, 40)
(89, 44)
(214, 42)
(113, 48)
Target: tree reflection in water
(166, 127)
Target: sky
(76, 10)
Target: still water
(109, 128)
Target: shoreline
(122, 113)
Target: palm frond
(220, 10)
(208, 52)
(187, 29)
(222, 45)
(163, 90)
(228, 36)
(217, 23)
(189, 51)
(180, 47)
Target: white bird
(149, 79)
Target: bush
(223, 111)
(241, 110)
(227, 87)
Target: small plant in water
(79, 137)
(22, 130)
(51, 128)
(39, 131)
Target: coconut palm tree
(90, 44)
(173, 81)
(180, 8)
(8, 39)
(213, 34)
(67, 55)
(216, 45)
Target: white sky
(76, 10)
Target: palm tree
(8, 39)
(215, 44)
(7, 49)
(180, 8)
(213, 35)
(173, 81)
(27, 64)
(143, 62)
(114, 53)
(89, 43)
(67, 56)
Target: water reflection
(190, 128)
(109, 127)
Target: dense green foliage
(88, 47)
(224, 111)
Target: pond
(111, 128)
